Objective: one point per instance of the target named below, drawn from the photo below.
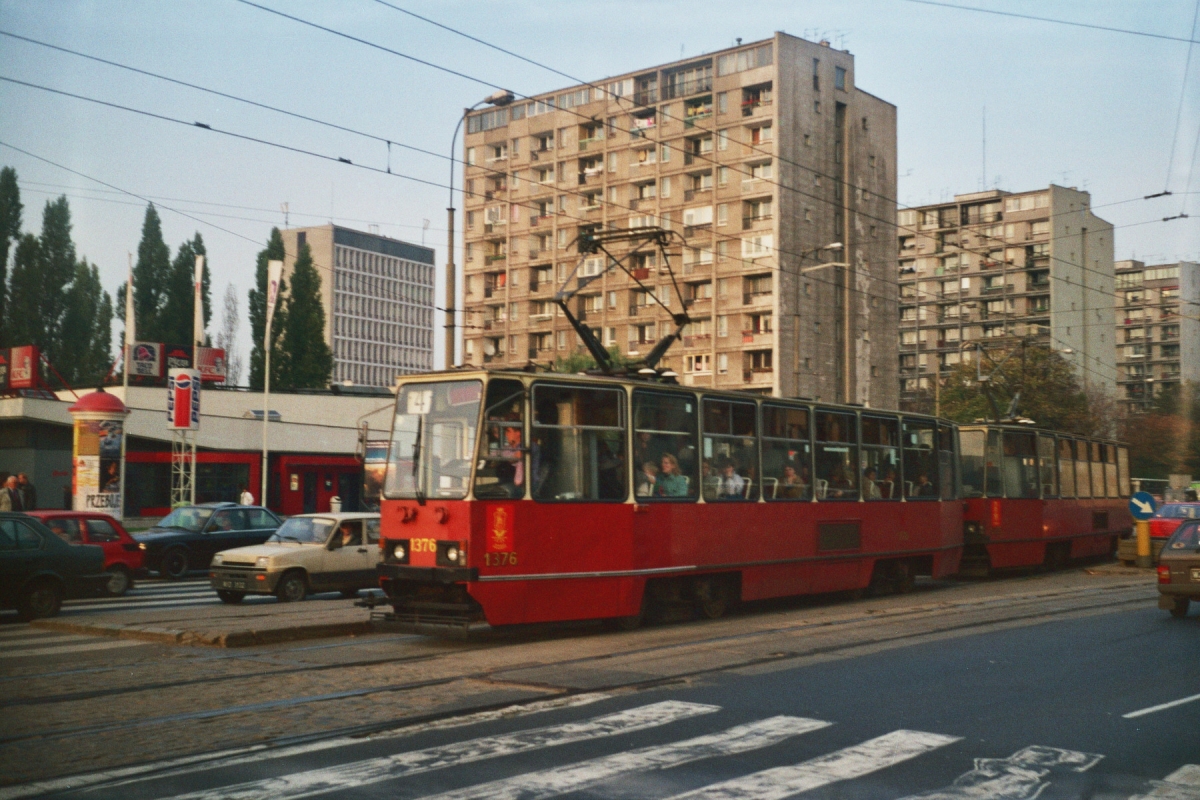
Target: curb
(209, 638)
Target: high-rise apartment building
(378, 297)
(993, 268)
(756, 158)
(1158, 328)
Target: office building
(756, 158)
(378, 296)
(994, 268)
(1158, 329)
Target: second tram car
(515, 497)
(1038, 497)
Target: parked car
(309, 553)
(38, 569)
(1166, 519)
(123, 556)
(189, 536)
(1179, 570)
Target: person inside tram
(839, 484)
(670, 482)
(870, 486)
(792, 484)
(730, 485)
(646, 478)
(888, 487)
(611, 471)
(507, 483)
(645, 449)
(924, 488)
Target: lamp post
(833, 247)
(501, 98)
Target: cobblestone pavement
(74, 704)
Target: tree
(179, 295)
(86, 353)
(227, 337)
(23, 325)
(151, 276)
(57, 267)
(1049, 392)
(10, 231)
(309, 360)
(257, 312)
(581, 361)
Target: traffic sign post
(1142, 506)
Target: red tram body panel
(520, 498)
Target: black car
(38, 569)
(187, 538)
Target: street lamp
(836, 247)
(500, 98)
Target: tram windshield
(433, 440)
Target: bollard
(1143, 544)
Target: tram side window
(1123, 470)
(920, 460)
(1020, 465)
(971, 447)
(1066, 467)
(501, 469)
(786, 453)
(664, 446)
(880, 458)
(946, 461)
(995, 458)
(729, 465)
(1097, 459)
(1110, 470)
(1046, 465)
(578, 443)
(1083, 481)
(836, 456)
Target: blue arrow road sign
(1142, 505)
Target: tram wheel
(1057, 555)
(712, 597)
(903, 578)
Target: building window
(722, 103)
(839, 79)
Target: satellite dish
(489, 348)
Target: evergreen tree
(57, 267)
(176, 314)
(309, 361)
(86, 352)
(151, 275)
(10, 231)
(23, 325)
(257, 312)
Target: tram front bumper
(428, 600)
(437, 575)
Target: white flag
(130, 333)
(274, 275)
(198, 304)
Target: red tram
(515, 497)
(1038, 497)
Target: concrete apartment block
(378, 297)
(1158, 328)
(994, 268)
(757, 156)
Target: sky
(1064, 104)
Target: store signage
(146, 359)
(23, 367)
(183, 400)
(210, 363)
(177, 356)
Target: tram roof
(1015, 427)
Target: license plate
(232, 585)
(1196, 574)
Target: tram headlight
(452, 554)
(399, 552)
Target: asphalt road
(1077, 706)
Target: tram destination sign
(1142, 505)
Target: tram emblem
(500, 533)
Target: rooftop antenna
(284, 208)
(739, 41)
(424, 227)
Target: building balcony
(692, 230)
(692, 194)
(752, 107)
(751, 222)
(757, 298)
(703, 340)
(762, 376)
(759, 338)
(494, 257)
(584, 143)
(536, 220)
(996, 289)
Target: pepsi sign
(183, 400)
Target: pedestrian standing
(28, 492)
(10, 498)
(247, 499)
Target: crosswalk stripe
(24, 632)
(138, 600)
(574, 777)
(105, 644)
(851, 762)
(362, 773)
(1182, 784)
(1022, 775)
(254, 754)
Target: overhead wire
(1187, 63)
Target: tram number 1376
(424, 545)
(500, 559)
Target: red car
(122, 555)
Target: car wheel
(291, 588)
(349, 593)
(42, 599)
(119, 582)
(1180, 608)
(174, 564)
(232, 598)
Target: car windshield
(305, 530)
(188, 518)
(433, 440)
(1179, 511)
(1186, 538)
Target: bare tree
(227, 337)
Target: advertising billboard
(177, 356)
(146, 359)
(23, 367)
(210, 363)
(3, 371)
(183, 400)
(97, 474)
